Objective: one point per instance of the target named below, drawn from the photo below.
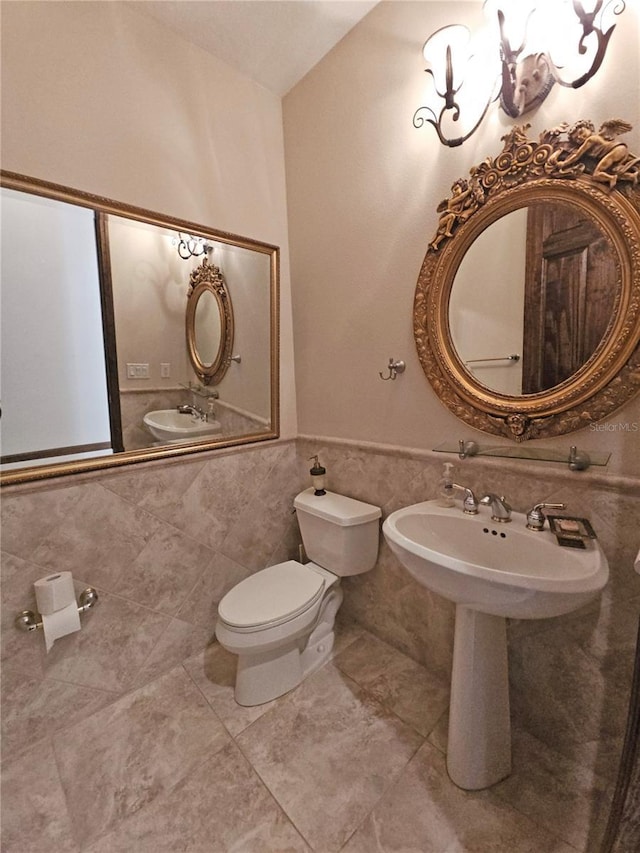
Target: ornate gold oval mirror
(527, 307)
(209, 324)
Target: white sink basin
(169, 425)
(491, 570)
(502, 569)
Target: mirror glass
(207, 328)
(533, 298)
(95, 298)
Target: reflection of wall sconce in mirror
(527, 46)
(190, 246)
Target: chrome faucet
(469, 503)
(536, 516)
(500, 509)
(192, 410)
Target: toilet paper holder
(27, 620)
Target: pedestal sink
(492, 571)
(169, 425)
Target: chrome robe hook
(394, 367)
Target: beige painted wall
(101, 98)
(150, 283)
(363, 185)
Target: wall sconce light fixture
(527, 46)
(190, 246)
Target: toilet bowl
(280, 621)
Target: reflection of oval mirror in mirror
(533, 298)
(207, 328)
(209, 323)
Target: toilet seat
(271, 597)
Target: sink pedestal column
(479, 745)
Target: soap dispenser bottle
(317, 476)
(445, 487)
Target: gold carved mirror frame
(579, 165)
(207, 278)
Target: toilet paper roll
(60, 623)
(54, 592)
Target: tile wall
(163, 542)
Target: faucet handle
(536, 516)
(469, 503)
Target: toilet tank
(339, 533)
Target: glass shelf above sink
(536, 454)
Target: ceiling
(274, 42)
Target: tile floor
(352, 760)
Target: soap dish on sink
(570, 530)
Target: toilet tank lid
(336, 508)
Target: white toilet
(280, 620)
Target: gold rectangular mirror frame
(235, 424)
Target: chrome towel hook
(394, 368)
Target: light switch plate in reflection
(137, 371)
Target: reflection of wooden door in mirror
(570, 291)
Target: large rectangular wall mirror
(128, 335)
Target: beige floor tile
(403, 686)
(119, 760)
(424, 812)
(327, 753)
(565, 797)
(35, 708)
(214, 672)
(222, 807)
(341, 760)
(34, 811)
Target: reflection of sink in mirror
(491, 571)
(170, 425)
